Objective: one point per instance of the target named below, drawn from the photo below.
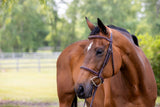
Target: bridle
(98, 74)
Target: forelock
(95, 31)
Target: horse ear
(102, 26)
(90, 25)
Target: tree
(151, 48)
(152, 15)
(53, 19)
(155, 61)
(62, 30)
(72, 13)
(117, 12)
(25, 30)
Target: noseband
(106, 60)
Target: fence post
(39, 65)
(0, 65)
(17, 64)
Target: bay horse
(107, 70)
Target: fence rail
(29, 55)
(25, 61)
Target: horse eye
(99, 52)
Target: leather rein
(106, 60)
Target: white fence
(28, 61)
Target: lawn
(28, 86)
(158, 100)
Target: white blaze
(90, 45)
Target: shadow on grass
(27, 104)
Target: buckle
(96, 77)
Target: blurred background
(34, 32)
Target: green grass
(28, 86)
(158, 100)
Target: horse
(107, 70)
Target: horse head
(102, 59)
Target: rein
(98, 74)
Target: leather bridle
(106, 60)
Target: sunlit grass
(28, 86)
(158, 100)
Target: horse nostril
(80, 91)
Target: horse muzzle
(84, 90)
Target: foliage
(152, 14)
(24, 28)
(151, 48)
(116, 12)
(26, 25)
(145, 42)
(155, 61)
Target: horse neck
(133, 66)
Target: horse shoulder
(65, 82)
(150, 82)
(69, 56)
(121, 93)
(70, 51)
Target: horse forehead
(89, 46)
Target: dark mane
(96, 30)
(117, 28)
(124, 30)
